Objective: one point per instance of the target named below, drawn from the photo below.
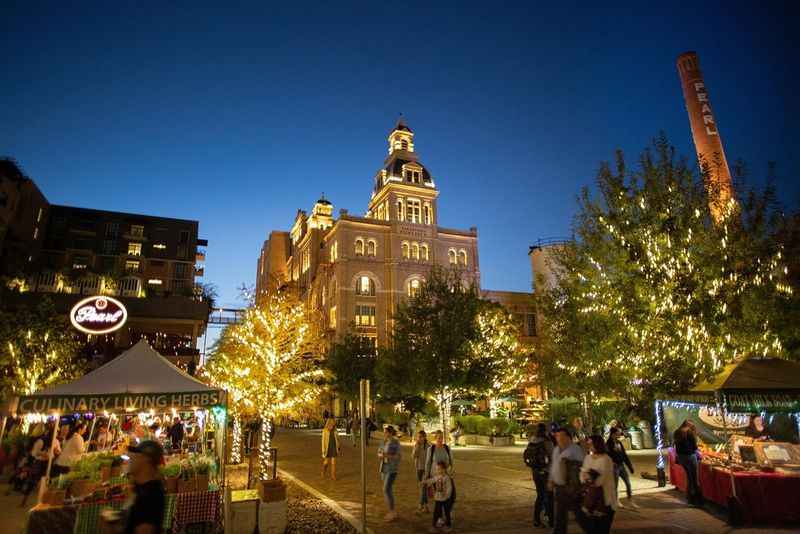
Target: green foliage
(653, 295)
(485, 426)
(172, 470)
(348, 361)
(38, 348)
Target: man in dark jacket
(616, 450)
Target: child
(444, 494)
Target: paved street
(495, 492)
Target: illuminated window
(415, 251)
(462, 257)
(426, 213)
(359, 247)
(413, 287)
(155, 281)
(424, 252)
(334, 252)
(159, 246)
(365, 286)
(333, 317)
(132, 266)
(451, 256)
(306, 260)
(405, 250)
(134, 249)
(372, 247)
(400, 211)
(137, 231)
(413, 211)
(365, 315)
(404, 144)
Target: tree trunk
(236, 441)
(264, 447)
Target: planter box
(486, 441)
(272, 517)
(81, 488)
(271, 490)
(171, 484)
(54, 497)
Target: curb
(330, 503)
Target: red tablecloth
(195, 507)
(767, 497)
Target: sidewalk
(495, 492)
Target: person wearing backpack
(565, 468)
(537, 457)
(439, 451)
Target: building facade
(149, 263)
(355, 269)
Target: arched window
(413, 287)
(424, 252)
(365, 286)
(372, 247)
(462, 257)
(415, 251)
(451, 256)
(405, 250)
(359, 247)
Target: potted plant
(203, 466)
(186, 482)
(171, 473)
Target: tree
(350, 360)
(432, 350)
(37, 349)
(270, 361)
(652, 294)
(498, 338)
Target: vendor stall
(755, 472)
(133, 395)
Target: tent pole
(721, 408)
(3, 428)
(46, 479)
(91, 432)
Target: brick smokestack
(707, 141)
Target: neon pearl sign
(98, 315)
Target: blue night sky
(238, 116)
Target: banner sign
(117, 403)
(98, 315)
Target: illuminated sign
(98, 315)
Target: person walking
(444, 495)
(439, 451)
(389, 455)
(330, 447)
(600, 501)
(616, 450)
(146, 514)
(537, 457)
(420, 456)
(564, 481)
(685, 441)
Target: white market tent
(139, 379)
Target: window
(137, 230)
(306, 260)
(415, 251)
(372, 247)
(157, 264)
(405, 250)
(530, 324)
(369, 343)
(159, 246)
(365, 315)
(462, 257)
(180, 270)
(451, 256)
(132, 266)
(359, 247)
(183, 237)
(134, 249)
(413, 287)
(413, 211)
(108, 246)
(400, 212)
(365, 286)
(404, 144)
(155, 282)
(130, 287)
(424, 252)
(332, 317)
(426, 213)
(112, 229)
(334, 252)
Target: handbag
(593, 501)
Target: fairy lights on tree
(269, 362)
(37, 349)
(651, 293)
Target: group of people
(573, 472)
(433, 466)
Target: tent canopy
(139, 379)
(751, 384)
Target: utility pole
(363, 400)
